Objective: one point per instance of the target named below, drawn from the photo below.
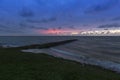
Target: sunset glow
(78, 32)
(51, 31)
(59, 17)
(59, 32)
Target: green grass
(17, 65)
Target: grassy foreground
(16, 65)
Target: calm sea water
(27, 40)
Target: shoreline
(50, 49)
(60, 59)
(110, 65)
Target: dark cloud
(68, 26)
(27, 12)
(72, 27)
(11, 31)
(29, 26)
(102, 7)
(114, 25)
(60, 27)
(7, 29)
(2, 26)
(116, 19)
(85, 25)
(106, 29)
(42, 20)
(31, 15)
(41, 28)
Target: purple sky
(59, 17)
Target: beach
(68, 58)
(91, 55)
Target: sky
(59, 17)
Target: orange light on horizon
(58, 32)
(51, 31)
(74, 33)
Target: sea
(28, 40)
(101, 51)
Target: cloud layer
(114, 25)
(107, 5)
(27, 16)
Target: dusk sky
(59, 17)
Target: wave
(8, 45)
